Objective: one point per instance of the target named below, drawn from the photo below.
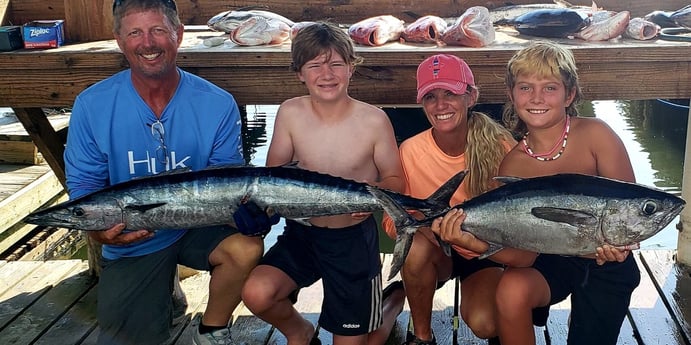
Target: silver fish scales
(194, 199)
(567, 214)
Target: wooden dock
(54, 302)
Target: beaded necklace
(544, 157)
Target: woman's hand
(448, 228)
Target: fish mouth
(47, 221)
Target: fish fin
(563, 215)
(445, 246)
(493, 249)
(442, 196)
(507, 179)
(145, 207)
(164, 173)
(406, 226)
(302, 221)
(400, 251)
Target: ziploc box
(44, 34)
(10, 38)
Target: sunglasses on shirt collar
(168, 3)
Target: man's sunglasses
(168, 3)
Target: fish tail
(406, 226)
(441, 198)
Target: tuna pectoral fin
(144, 207)
(564, 215)
(400, 252)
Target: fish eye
(78, 212)
(649, 207)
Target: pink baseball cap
(443, 71)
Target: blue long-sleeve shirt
(110, 140)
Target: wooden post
(684, 239)
(88, 20)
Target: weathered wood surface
(54, 302)
(621, 69)
(24, 188)
(200, 11)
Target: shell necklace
(544, 157)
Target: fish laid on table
(567, 214)
(605, 29)
(193, 199)
(299, 26)
(257, 31)
(682, 17)
(661, 18)
(641, 29)
(228, 21)
(472, 29)
(554, 23)
(375, 31)
(426, 29)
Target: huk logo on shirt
(153, 165)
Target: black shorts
(600, 295)
(134, 293)
(347, 260)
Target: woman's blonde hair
(484, 152)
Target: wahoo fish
(376, 31)
(257, 31)
(228, 21)
(605, 29)
(641, 29)
(566, 214)
(472, 29)
(194, 199)
(426, 29)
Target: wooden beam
(45, 137)
(88, 20)
(4, 10)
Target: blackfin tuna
(566, 214)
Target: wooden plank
(79, 27)
(11, 274)
(41, 315)
(4, 6)
(76, 324)
(623, 69)
(200, 11)
(647, 311)
(18, 152)
(28, 199)
(32, 286)
(45, 137)
(15, 131)
(674, 284)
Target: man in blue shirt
(150, 118)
